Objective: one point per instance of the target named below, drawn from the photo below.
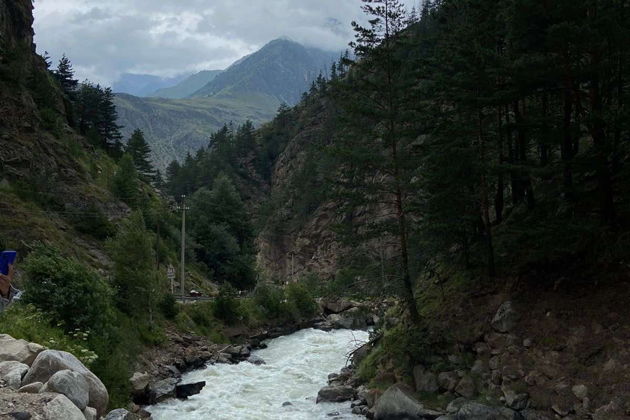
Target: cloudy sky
(105, 38)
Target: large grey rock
(120, 414)
(256, 360)
(71, 384)
(477, 411)
(338, 393)
(18, 350)
(162, 390)
(187, 390)
(61, 408)
(425, 381)
(580, 391)
(336, 306)
(11, 372)
(49, 362)
(514, 399)
(139, 381)
(505, 318)
(397, 403)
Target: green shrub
(70, 293)
(92, 221)
(226, 306)
(168, 306)
(299, 296)
(272, 302)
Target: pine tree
(125, 182)
(65, 75)
(107, 126)
(140, 151)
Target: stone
(139, 381)
(287, 403)
(48, 362)
(447, 381)
(18, 350)
(90, 413)
(580, 391)
(256, 360)
(513, 399)
(12, 372)
(120, 414)
(505, 318)
(477, 411)
(33, 388)
(398, 403)
(184, 391)
(478, 368)
(466, 387)
(425, 381)
(535, 415)
(162, 390)
(527, 342)
(336, 306)
(454, 406)
(60, 407)
(71, 384)
(337, 393)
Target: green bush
(226, 306)
(168, 306)
(92, 221)
(299, 296)
(272, 302)
(70, 293)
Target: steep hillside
(282, 69)
(187, 86)
(144, 84)
(174, 128)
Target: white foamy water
(297, 366)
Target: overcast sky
(105, 38)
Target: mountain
(187, 86)
(144, 84)
(252, 88)
(174, 127)
(283, 69)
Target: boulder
(513, 399)
(256, 360)
(33, 388)
(139, 381)
(187, 390)
(11, 372)
(60, 407)
(535, 415)
(121, 414)
(466, 387)
(18, 350)
(90, 413)
(580, 391)
(162, 390)
(477, 411)
(425, 381)
(454, 406)
(505, 318)
(71, 384)
(337, 393)
(397, 403)
(612, 410)
(48, 362)
(336, 306)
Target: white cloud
(105, 38)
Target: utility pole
(183, 245)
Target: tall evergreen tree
(140, 151)
(65, 75)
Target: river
(297, 366)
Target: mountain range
(179, 118)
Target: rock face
(18, 350)
(162, 390)
(49, 362)
(396, 403)
(338, 393)
(71, 384)
(187, 390)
